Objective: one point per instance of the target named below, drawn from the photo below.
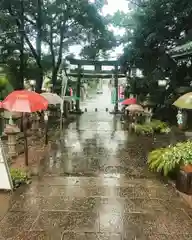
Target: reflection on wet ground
(95, 186)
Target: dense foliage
(152, 28)
(36, 35)
(155, 126)
(170, 158)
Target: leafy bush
(167, 159)
(144, 129)
(155, 126)
(158, 125)
(165, 130)
(19, 177)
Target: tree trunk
(39, 80)
(36, 53)
(56, 66)
(54, 74)
(21, 29)
(54, 78)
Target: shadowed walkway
(95, 186)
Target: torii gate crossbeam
(97, 73)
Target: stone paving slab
(73, 203)
(42, 235)
(102, 180)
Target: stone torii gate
(80, 73)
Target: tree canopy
(36, 34)
(152, 29)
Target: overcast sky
(114, 5)
(110, 8)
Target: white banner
(5, 176)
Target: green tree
(5, 86)
(152, 29)
(54, 24)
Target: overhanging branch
(25, 36)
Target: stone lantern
(11, 130)
(148, 108)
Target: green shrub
(144, 129)
(158, 125)
(167, 159)
(155, 126)
(19, 177)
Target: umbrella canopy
(52, 98)
(135, 108)
(184, 101)
(24, 101)
(129, 101)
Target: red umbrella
(129, 101)
(26, 102)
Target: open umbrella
(184, 102)
(129, 101)
(135, 108)
(26, 102)
(52, 98)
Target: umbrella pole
(25, 140)
(61, 115)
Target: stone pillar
(116, 89)
(98, 68)
(12, 131)
(148, 115)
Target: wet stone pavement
(95, 186)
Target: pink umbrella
(25, 102)
(135, 108)
(129, 101)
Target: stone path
(95, 186)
